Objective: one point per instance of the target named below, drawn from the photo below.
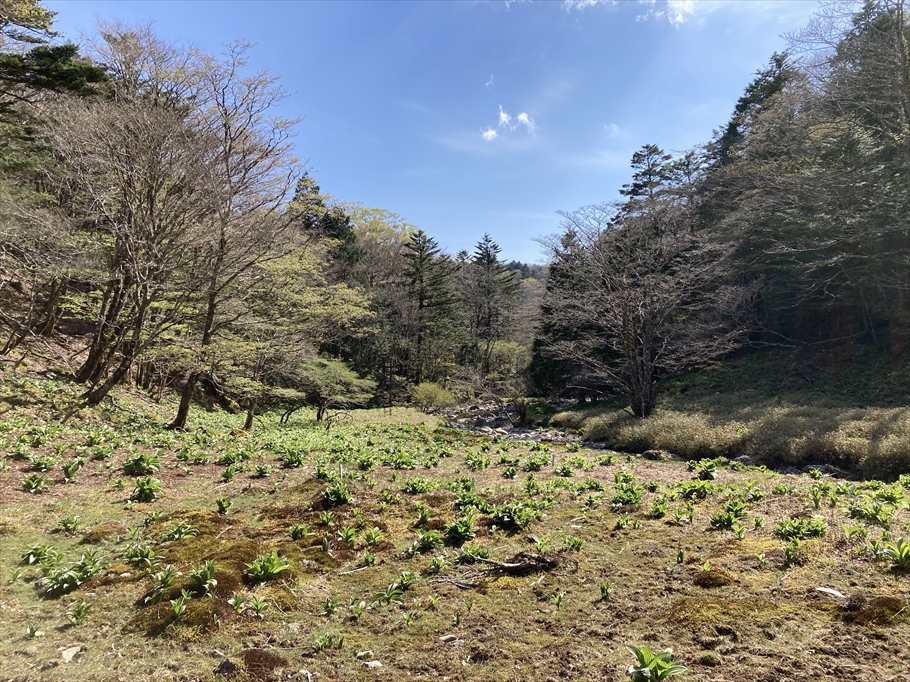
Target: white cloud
(527, 121)
(675, 11)
(489, 82)
(583, 4)
(505, 121)
(489, 134)
(612, 129)
(680, 10)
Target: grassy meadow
(386, 546)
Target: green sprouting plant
(369, 558)
(622, 521)
(563, 470)
(372, 536)
(35, 484)
(432, 601)
(418, 484)
(71, 468)
(573, 447)
(426, 541)
(658, 507)
(263, 470)
(138, 553)
(179, 532)
(266, 567)
(899, 553)
(758, 522)
(204, 577)
(329, 606)
(694, 490)
(627, 492)
(79, 614)
(326, 518)
(142, 464)
(572, 542)
(704, 469)
(557, 599)
(652, 667)
(258, 606)
(461, 529)
(437, 565)
(42, 462)
(740, 531)
(534, 462)
(791, 552)
(298, 531)
(337, 493)
(878, 548)
(329, 641)
(783, 489)
(392, 595)
(58, 579)
(40, 554)
(31, 631)
(605, 591)
(469, 554)
(476, 461)
(69, 524)
(348, 536)
(146, 489)
(815, 474)
(857, 531)
(223, 504)
(178, 605)
(514, 516)
(292, 460)
(762, 559)
(799, 529)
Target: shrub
(147, 489)
(430, 397)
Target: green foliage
(652, 667)
(141, 464)
(35, 484)
(461, 529)
(337, 493)
(430, 397)
(800, 529)
(147, 489)
(266, 567)
(899, 553)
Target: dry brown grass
(872, 441)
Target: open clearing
(437, 553)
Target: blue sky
(474, 117)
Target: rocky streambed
(491, 419)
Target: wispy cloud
(612, 129)
(527, 121)
(489, 82)
(675, 11)
(505, 121)
(489, 134)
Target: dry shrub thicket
(872, 441)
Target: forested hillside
(157, 229)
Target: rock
(745, 460)
(291, 627)
(69, 653)
(364, 655)
(226, 667)
(372, 664)
(445, 639)
(480, 422)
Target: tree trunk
(250, 415)
(186, 398)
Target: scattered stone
(372, 664)
(226, 667)
(291, 627)
(363, 655)
(69, 653)
(445, 639)
(745, 460)
(655, 455)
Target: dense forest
(156, 228)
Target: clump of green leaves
(800, 529)
(651, 667)
(266, 567)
